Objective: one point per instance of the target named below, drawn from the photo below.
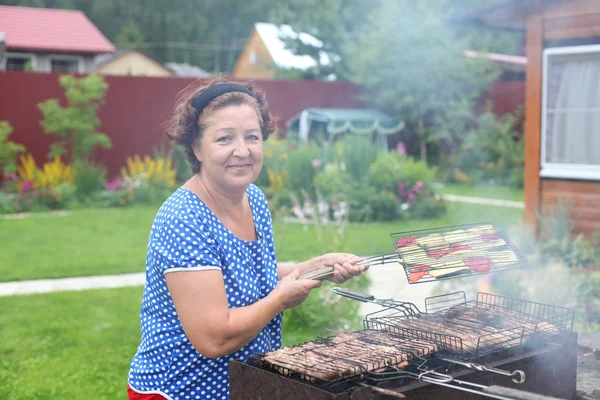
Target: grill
(489, 347)
(446, 253)
(383, 361)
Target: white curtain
(574, 123)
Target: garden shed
(562, 108)
(333, 123)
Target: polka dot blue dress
(187, 236)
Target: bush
(333, 182)
(494, 151)
(385, 172)
(76, 123)
(303, 164)
(8, 150)
(369, 205)
(357, 154)
(182, 166)
(89, 179)
(275, 158)
(427, 208)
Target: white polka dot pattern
(186, 234)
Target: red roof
(43, 29)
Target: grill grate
(455, 251)
(475, 328)
(335, 359)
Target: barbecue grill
(489, 347)
(539, 357)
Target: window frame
(563, 170)
(60, 57)
(13, 54)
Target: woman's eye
(253, 137)
(224, 139)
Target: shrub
(369, 205)
(275, 157)
(494, 151)
(333, 182)
(89, 178)
(303, 164)
(385, 172)
(76, 123)
(183, 170)
(357, 154)
(8, 150)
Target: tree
(8, 149)
(130, 36)
(413, 66)
(76, 123)
(333, 22)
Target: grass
(490, 192)
(79, 345)
(75, 345)
(104, 242)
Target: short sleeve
(185, 245)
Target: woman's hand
(293, 291)
(344, 265)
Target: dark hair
(186, 128)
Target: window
(17, 63)
(571, 113)
(64, 65)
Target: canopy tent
(337, 121)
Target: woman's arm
(213, 328)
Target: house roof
(273, 37)
(187, 70)
(506, 14)
(50, 30)
(502, 61)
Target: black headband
(215, 91)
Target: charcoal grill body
(550, 366)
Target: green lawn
(75, 345)
(102, 242)
(78, 345)
(491, 192)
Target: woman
(214, 291)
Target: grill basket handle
(318, 274)
(353, 294)
(516, 394)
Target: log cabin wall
(561, 23)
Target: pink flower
(316, 163)
(401, 148)
(26, 185)
(113, 185)
(418, 186)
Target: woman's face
(231, 150)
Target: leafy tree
(413, 67)
(129, 36)
(76, 123)
(8, 149)
(333, 22)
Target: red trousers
(133, 395)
